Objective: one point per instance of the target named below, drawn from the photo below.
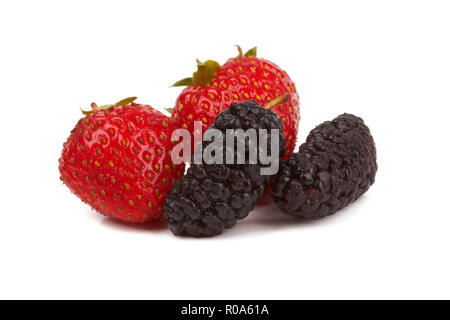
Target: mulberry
(212, 197)
(334, 167)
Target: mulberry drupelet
(333, 168)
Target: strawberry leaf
(250, 53)
(183, 83)
(125, 101)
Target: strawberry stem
(277, 101)
(241, 55)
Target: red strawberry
(117, 160)
(246, 77)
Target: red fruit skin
(240, 79)
(118, 162)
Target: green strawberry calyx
(249, 54)
(206, 71)
(203, 76)
(96, 108)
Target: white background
(386, 61)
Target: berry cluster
(118, 159)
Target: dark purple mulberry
(212, 197)
(333, 168)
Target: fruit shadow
(265, 218)
(268, 218)
(156, 226)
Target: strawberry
(246, 77)
(118, 160)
